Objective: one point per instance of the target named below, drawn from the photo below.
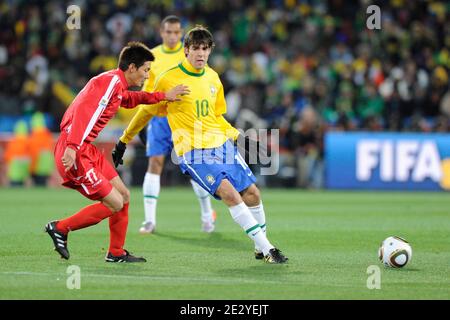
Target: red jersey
(97, 103)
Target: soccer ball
(395, 252)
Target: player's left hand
(118, 153)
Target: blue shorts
(159, 137)
(208, 167)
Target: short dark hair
(170, 19)
(199, 36)
(134, 52)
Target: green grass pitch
(331, 238)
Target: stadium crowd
(304, 67)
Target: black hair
(199, 36)
(134, 52)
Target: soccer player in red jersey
(84, 168)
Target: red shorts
(91, 173)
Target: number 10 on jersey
(202, 108)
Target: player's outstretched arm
(147, 111)
(180, 90)
(140, 120)
(132, 99)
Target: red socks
(93, 214)
(88, 216)
(118, 224)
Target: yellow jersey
(197, 120)
(164, 59)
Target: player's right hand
(68, 158)
(172, 94)
(118, 152)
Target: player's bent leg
(118, 184)
(86, 217)
(251, 196)
(114, 200)
(252, 199)
(242, 216)
(118, 224)
(208, 216)
(228, 193)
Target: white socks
(205, 202)
(242, 215)
(260, 216)
(151, 188)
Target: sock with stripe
(205, 202)
(118, 224)
(151, 190)
(242, 215)
(260, 216)
(86, 217)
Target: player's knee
(254, 192)
(125, 196)
(231, 198)
(116, 205)
(252, 196)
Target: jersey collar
(166, 49)
(187, 68)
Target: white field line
(169, 279)
(142, 277)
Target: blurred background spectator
(17, 156)
(41, 150)
(304, 67)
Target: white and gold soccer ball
(395, 252)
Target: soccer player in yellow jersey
(203, 140)
(159, 137)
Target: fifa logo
(400, 161)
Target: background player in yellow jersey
(158, 136)
(203, 140)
